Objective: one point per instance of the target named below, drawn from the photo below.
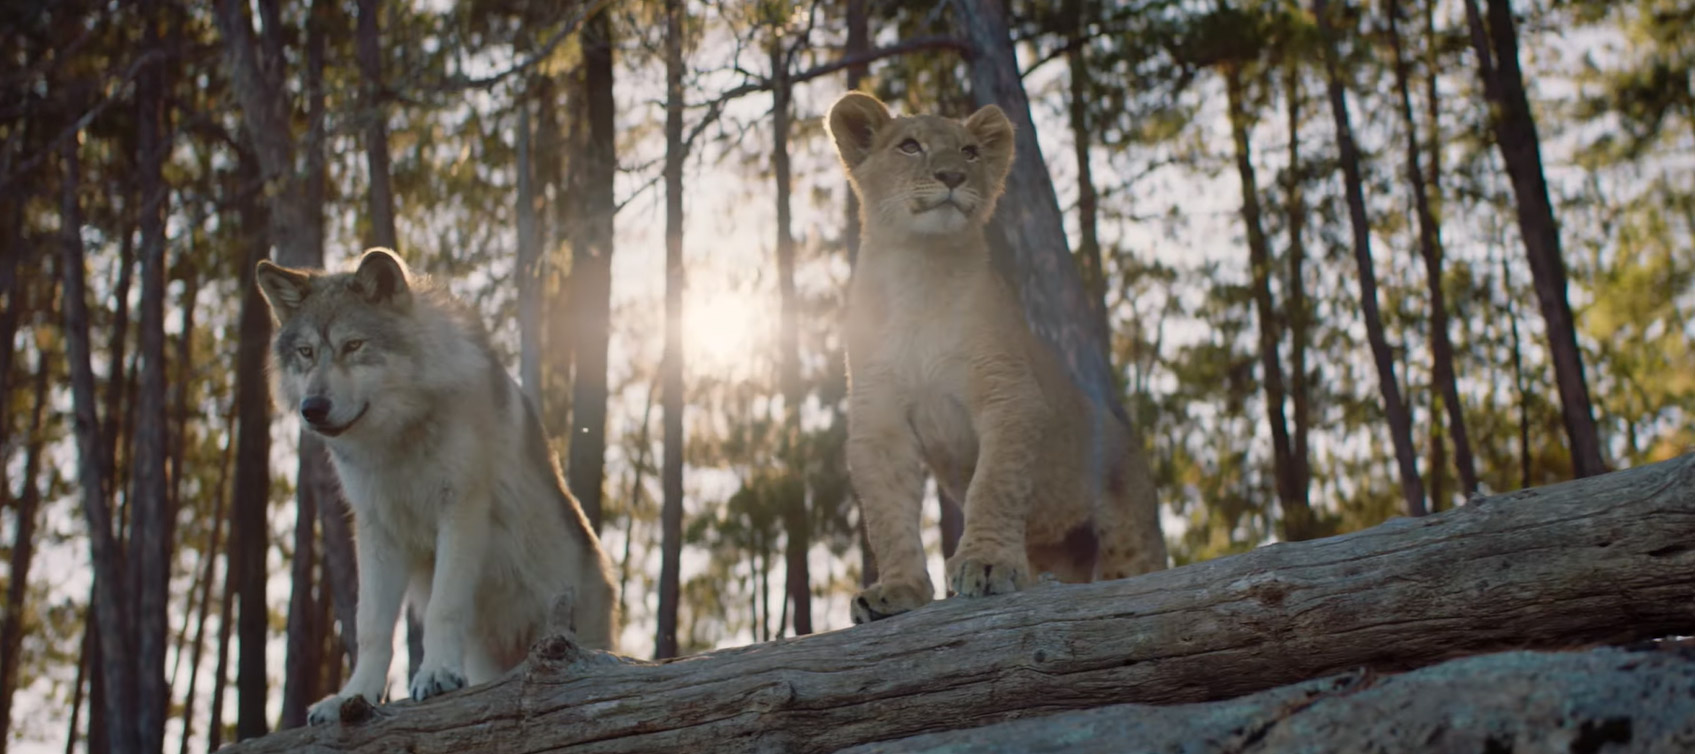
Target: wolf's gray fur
(457, 502)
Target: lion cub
(944, 372)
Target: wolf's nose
(315, 409)
(950, 178)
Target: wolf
(458, 505)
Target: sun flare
(723, 327)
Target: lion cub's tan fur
(945, 372)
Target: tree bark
(112, 626)
(249, 531)
(1027, 236)
(1514, 127)
(380, 202)
(1028, 228)
(1430, 247)
(1297, 514)
(671, 365)
(797, 523)
(1394, 408)
(208, 576)
(1523, 701)
(1089, 260)
(23, 553)
(1604, 559)
(302, 664)
(595, 168)
(1299, 316)
(150, 537)
(527, 269)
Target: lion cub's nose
(950, 178)
(315, 409)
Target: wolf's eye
(911, 146)
(351, 346)
(304, 351)
(970, 153)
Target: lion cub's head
(923, 174)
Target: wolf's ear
(284, 288)
(854, 122)
(994, 132)
(382, 278)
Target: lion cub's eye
(351, 346)
(911, 146)
(970, 153)
(304, 351)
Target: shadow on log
(1605, 559)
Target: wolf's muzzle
(315, 410)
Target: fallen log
(1611, 700)
(1606, 559)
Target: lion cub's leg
(1131, 541)
(883, 462)
(991, 557)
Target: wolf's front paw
(887, 598)
(328, 710)
(979, 573)
(434, 680)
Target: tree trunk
(595, 168)
(797, 522)
(1297, 515)
(951, 520)
(1430, 247)
(220, 675)
(85, 658)
(23, 553)
(117, 352)
(1089, 245)
(527, 270)
(380, 202)
(209, 561)
(249, 531)
(1027, 236)
(1521, 389)
(1028, 230)
(1300, 319)
(302, 664)
(1515, 133)
(1523, 701)
(116, 667)
(1605, 559)
(150, 537)
(671, 365)
(1400, 422)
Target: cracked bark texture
(1598, 560)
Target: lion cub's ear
(994, 131)
(854, 121)
(284, 288)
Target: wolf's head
(343, 340)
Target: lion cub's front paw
(435, 680)
(328, 709)
(885, 599)
(979, 573)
